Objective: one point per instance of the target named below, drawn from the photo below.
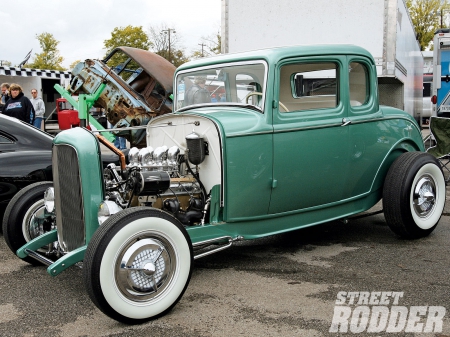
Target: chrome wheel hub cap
(33, 222)
(424, 196)
(145, 268)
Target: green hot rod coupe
(258, 143)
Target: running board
(229, 242)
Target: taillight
(434, 99)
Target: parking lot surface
(284, 285)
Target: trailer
(441, 72)
(383, 27)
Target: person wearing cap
(19, 106)
(197, 94)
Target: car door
(310, 142)
(370, 138)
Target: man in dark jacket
(19, 106)
(5, 95)
(197, 94)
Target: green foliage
(49, 58)
(210, 45)
(426, 18)
(177, 57)
(128, 36)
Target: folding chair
(440, 129)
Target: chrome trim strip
(39, 257)
(353, 122)
(142, 127)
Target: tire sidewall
(16, 211)
(424, 165)
(110, 291)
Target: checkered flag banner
(17, 71)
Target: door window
(308, 86)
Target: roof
(16, 71)
(155, 65)
(272, 55)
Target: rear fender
(396, 151)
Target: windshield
(242, 84)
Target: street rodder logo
(379, 311)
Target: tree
(49, 58)
(426, 18)
(128, 36)
(166, 43)
(210, 45)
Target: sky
(81, 26)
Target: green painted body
(283, 171)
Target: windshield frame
(182, 73)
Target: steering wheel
(256, 93)
(253, 93)
(283, 106)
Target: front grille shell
(68, 198)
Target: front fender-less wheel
(138, 264)
(414, 195)
(25, 217)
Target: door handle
(345, 121)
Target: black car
(25, 157)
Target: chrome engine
(160, 178)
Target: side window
(308, 86)
(358, 80)
(5, 140)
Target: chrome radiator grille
(68, 198)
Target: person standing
(5, 95)
(39, 108)
(19, 106)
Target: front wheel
(414, 195)
(25, 218)
(138, 264)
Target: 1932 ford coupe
(259, 143)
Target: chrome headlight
(49, 199)
(106, 209)
(146, 156)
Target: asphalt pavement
(290, 284)
(284, 285)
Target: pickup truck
(258, 143)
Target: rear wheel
(25, 217)
(138, 264)
(414, 195)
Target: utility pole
(168, 31)
(202, 44)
